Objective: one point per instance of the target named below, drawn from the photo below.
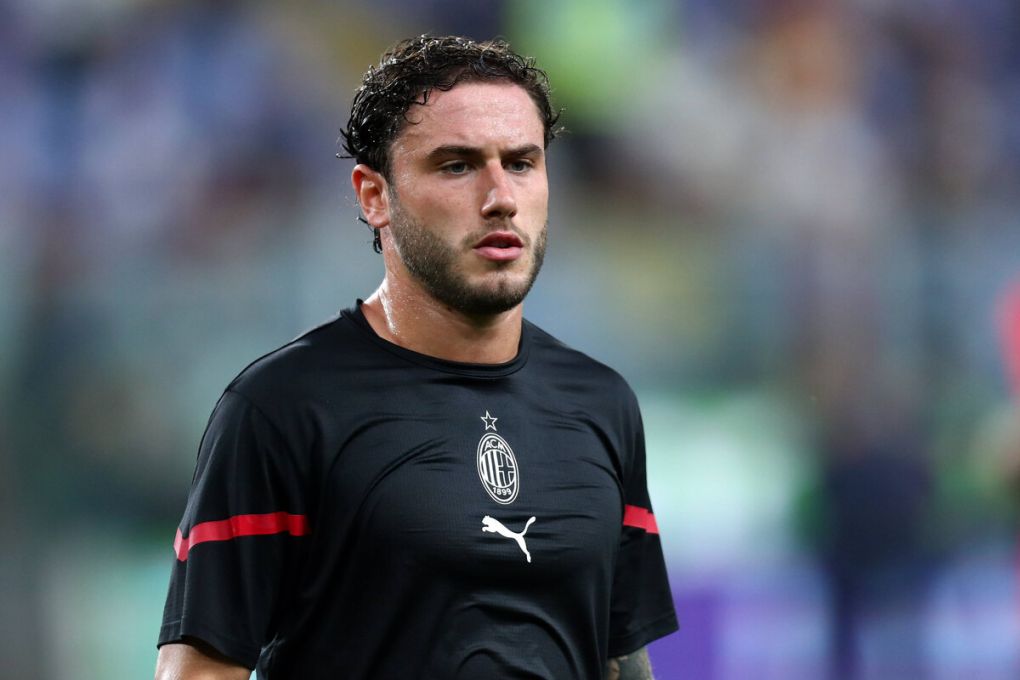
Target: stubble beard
(435, 265)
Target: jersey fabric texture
(362, 511)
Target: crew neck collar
(457, 367)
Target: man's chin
(489, 298)
(498, 281)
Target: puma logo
(495, 526)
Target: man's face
(469, 196)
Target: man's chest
(469, 481)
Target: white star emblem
(489, 421)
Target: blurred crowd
(811, 204)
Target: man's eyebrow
(456, 150)
(525, 150)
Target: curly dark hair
(410, 70)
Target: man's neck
(409, 317)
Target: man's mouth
(500, 246)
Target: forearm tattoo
(634, 666)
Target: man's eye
(518, 166)
(457, 168)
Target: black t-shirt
(359, 510)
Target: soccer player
(427, 486)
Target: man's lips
(500, 246)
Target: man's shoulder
(556, 355)
(292, 368)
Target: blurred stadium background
(793, 225)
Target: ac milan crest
(497, 466)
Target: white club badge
(497, 466)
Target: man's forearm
(195, 660)
(634, 666)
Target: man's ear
(370, 188)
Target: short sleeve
(238, 544)
(642, 605)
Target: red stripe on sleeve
(1009, 326)
(240, 525)
(633, 516)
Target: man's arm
(196, 661)
(634, 666)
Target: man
(427, 486)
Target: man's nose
(499, 198)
